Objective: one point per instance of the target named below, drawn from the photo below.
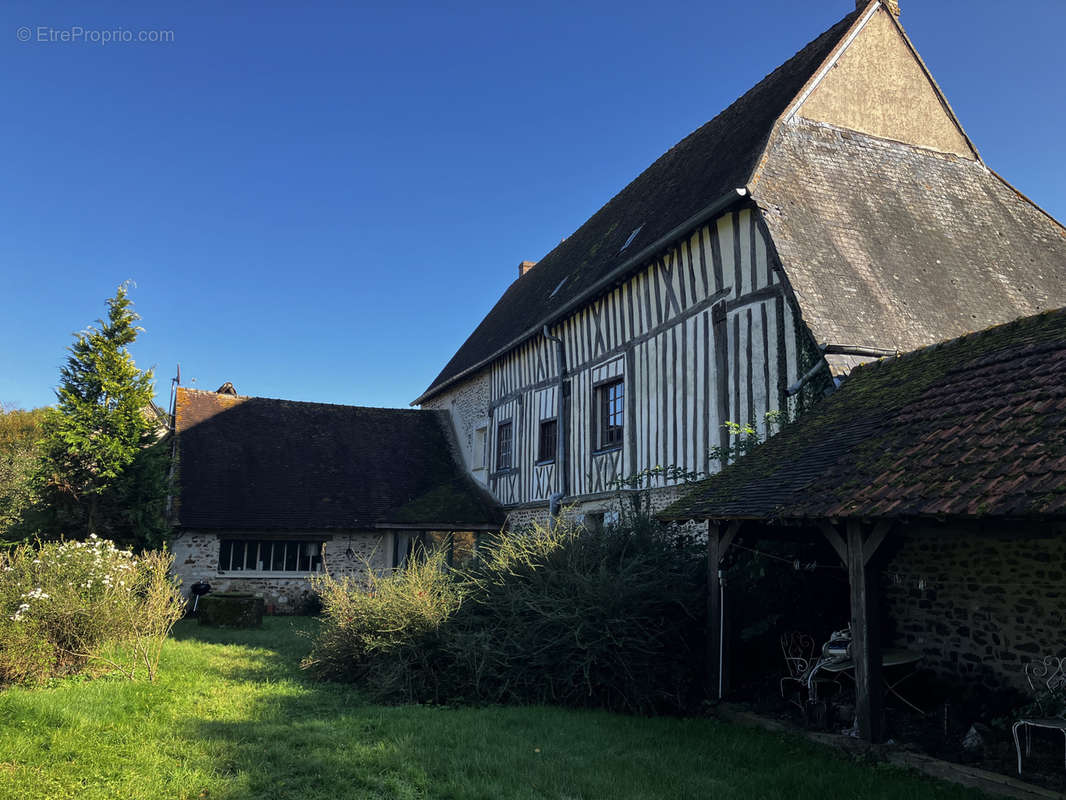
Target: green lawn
(232, 717)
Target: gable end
(878, 85)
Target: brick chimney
(525, 266)
(892, 6)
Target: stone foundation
(657, 498)
(978, 604)
(196, 558)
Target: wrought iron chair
(800, 654)
(1047, 680)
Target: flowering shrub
(66, 606)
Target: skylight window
(632, 236)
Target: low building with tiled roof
(939, 478)
(269, 492)
(834, 212)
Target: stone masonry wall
(658, 499)
(468, 403)
(978, 604)
(196, 558)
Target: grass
(232, 718)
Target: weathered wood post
(865, 628)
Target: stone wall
(658, 499)
(196, 558)
(468, 403)
(978, 602)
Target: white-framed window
(479, 458)
(504, 445)
(609, 414)
(242, 556)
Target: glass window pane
(504, 446)
(224, 553)
(291, 556)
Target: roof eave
(612, 277)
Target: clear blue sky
(319, 202)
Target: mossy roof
(971, 428)
(257, 463)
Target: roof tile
(1009, 465)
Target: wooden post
(717, 652)
(714, 607)
(865, 636)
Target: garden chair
(1047, 680)
(800, 655)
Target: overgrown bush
(385, 633)
(67, 606)
(608, 618)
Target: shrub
(67, 605)
(610, 618)
(384, 634)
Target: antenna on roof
(175, 382)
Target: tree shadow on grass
(273, 652)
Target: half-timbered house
(837, 211)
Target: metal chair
(799, 651)
(1047, 680)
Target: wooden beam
(835, 539)
(878, 535)
(728, 537)
(865, 637)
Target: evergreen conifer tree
(103, 466)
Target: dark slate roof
(695, 173)
(259, 464)
(972, 428)
(896, 247)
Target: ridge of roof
(305, 402)
(696, 173)
(254, 463)
(1023, 196)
